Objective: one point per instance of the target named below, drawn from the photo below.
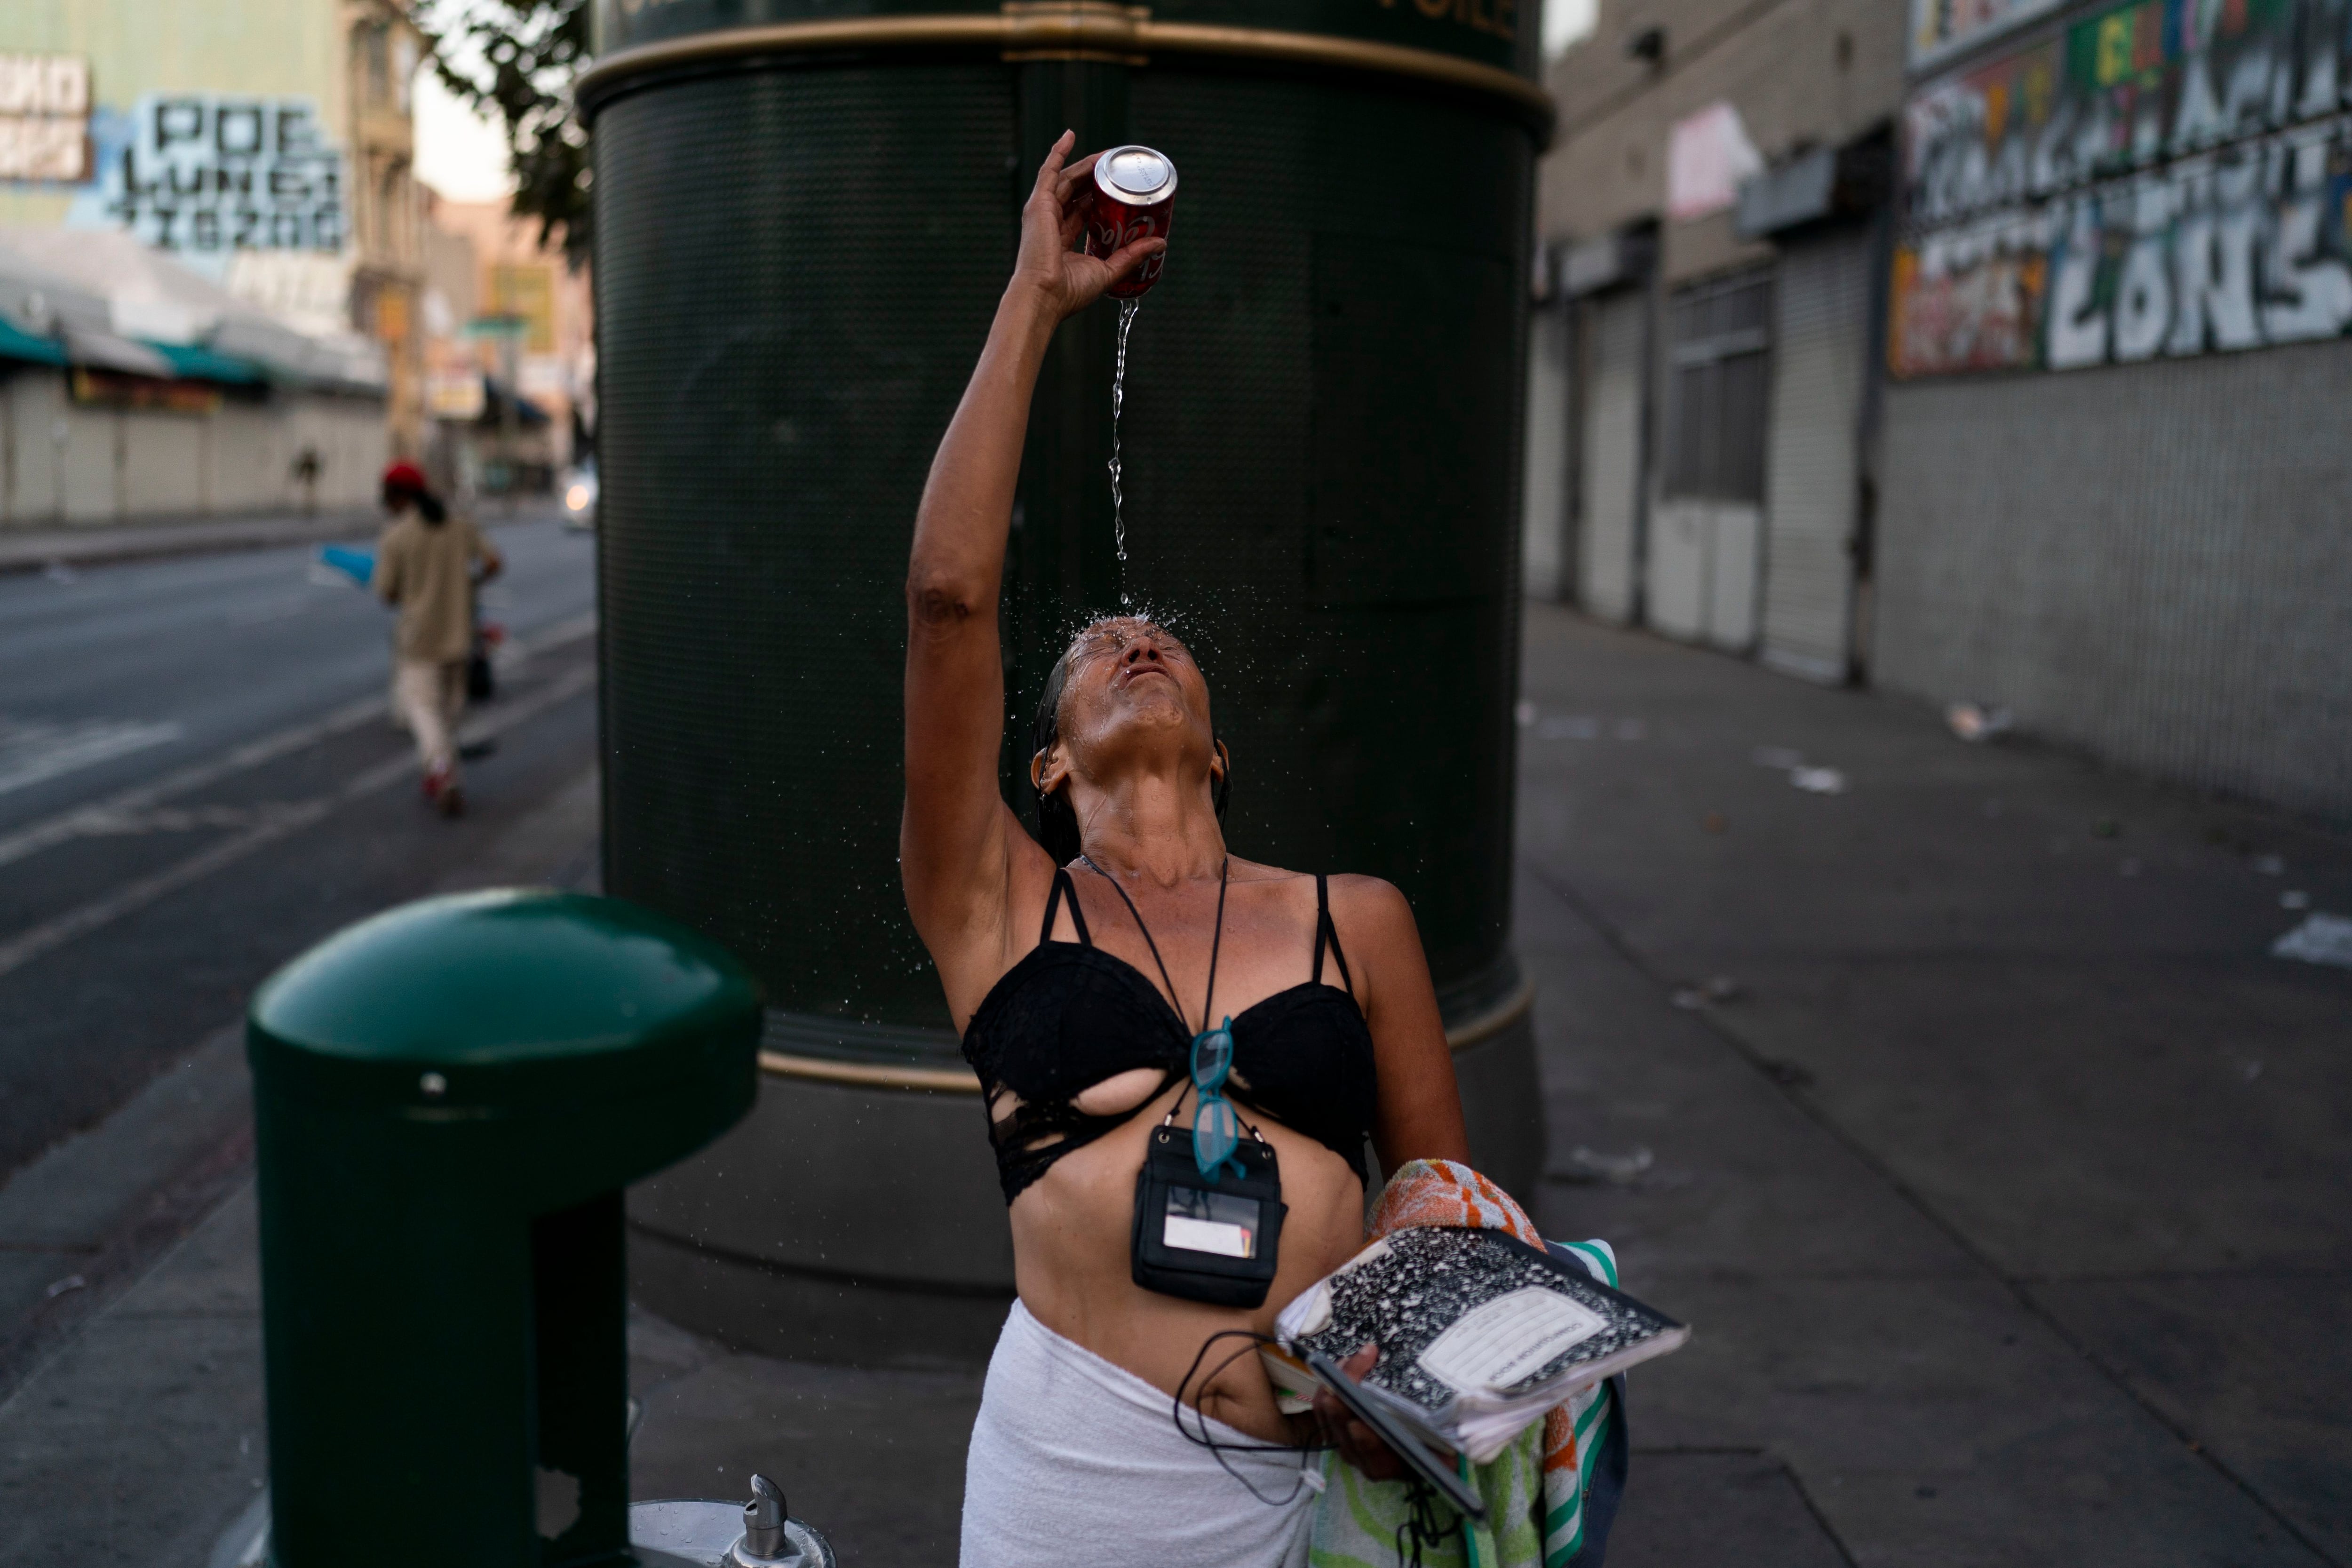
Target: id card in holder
(1213, 1239)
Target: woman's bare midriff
(1071, 1237)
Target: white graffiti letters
(2163, 178)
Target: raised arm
(960, 847)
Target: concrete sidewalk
(95, 544)
(2001, 1173)
(2002, 1170)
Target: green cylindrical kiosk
(447, 1101)
(805, 212)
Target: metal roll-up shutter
(1547, 570)
(1610, 452)
(1813, 479)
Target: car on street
(580, 496)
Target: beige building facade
(1993, 353)
(1701, 375)
(262, 151)
(383, 53)
(508, 312)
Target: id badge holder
(1213, 1239)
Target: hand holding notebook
(1480, 1335)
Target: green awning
(191, 362)
(18, 344)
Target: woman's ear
(1222, 769)
(1047, 770)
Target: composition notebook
(1479, 1334)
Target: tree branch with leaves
(516, 59)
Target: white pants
(431, 695)
(1075, 1463)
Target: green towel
(1358, 1522)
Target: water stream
(1127, 309)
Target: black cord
(1422, 1525)
(1216, 939)
(1217, 1450)
(1428, 1519)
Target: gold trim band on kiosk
(1089, 30)
(1475, 1030)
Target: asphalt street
(198, 779)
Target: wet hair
(1057, 820)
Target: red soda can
(1131, 196)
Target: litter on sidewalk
(1593, 1166)
(1813, 780)
(2320, 939)
(1717, 988)
(1977, 721)
(1575, 726)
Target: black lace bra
(1069, 1015)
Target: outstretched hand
(1053, 259)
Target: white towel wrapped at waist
(1075, 1461)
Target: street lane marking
(517, 649)
(76, 820)
(35, 751)
(30, 944)
(184, 819)
(287, 818)
(97, 817)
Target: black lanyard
(1216, 939)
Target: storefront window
(1718, 343)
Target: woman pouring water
(1184, 1052)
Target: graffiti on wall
(208, 175)
(2170, 177)
(1940, 27)
(44, 117)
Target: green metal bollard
(448, 1099)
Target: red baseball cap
(405, 476)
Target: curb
(107, 544)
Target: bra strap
(1217, 941)
(1326, 934)
(1062, 884)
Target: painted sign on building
(1708, 154)
(526, 290)
(43, 118)
(1941, 28)
(2170, 177)
(207, 174)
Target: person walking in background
(427, 566)
(305, 473)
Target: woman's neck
(1151, 828)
